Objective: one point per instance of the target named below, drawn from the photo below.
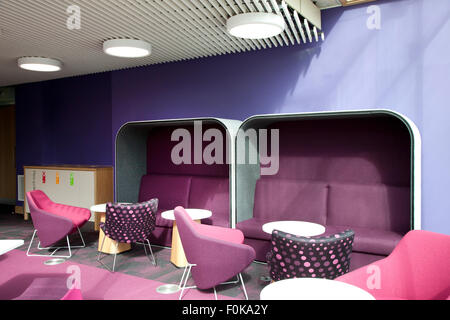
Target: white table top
(8, 245)
(195, 214)
(313, 289)
(102, 207)
(298, 228)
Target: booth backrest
(283, 199)
(170, 190)
(210, 193)
(379, 206)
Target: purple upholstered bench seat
(368, 240)
(377, 213)
(188, 191)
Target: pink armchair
(53, 222)
(417, 269)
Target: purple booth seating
(214, 254)
(365, 209)
(417, 269)
(201, 192)
(198, 186)
(53, 221)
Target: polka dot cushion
(316, 257)
(130, 223)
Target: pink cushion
(73, 294)
(416, 269)
(78, 216)
(226, 234)
(283, 199)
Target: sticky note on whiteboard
(57, 177)
(43, 176)
(71, 179)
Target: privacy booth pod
(350, 169)
(145, 168)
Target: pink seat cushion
(226, 234)
(78, 216)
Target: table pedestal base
(177, 256)
(109, 246)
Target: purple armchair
(129, 223)
(214, 254)
(317, 257)
(417, 269)
(53, 222)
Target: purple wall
(404, 66)
(66, 121)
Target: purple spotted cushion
(316, 257)
(130, 223)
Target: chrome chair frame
(185, 277)
(100, 258)
(56, 248)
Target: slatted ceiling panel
(177, 29)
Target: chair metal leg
(186, 277)
(151, 252)
(243, 286)
(215, 293)
(99, 258)
(55, 248)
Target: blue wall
(404, 66)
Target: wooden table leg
(177, 256)
(110, 245)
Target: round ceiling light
(39, 64)
(255, 25)
(127, 48)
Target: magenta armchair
(54, 222)
(417, 269)
(214, 254)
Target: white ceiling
(177, 29)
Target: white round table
(298, 228)
(313, 289)
(177, 256)
(109, 246)
(8, 245)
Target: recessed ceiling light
(39, 64)
(127, 48)
(255, 25)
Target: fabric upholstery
(316, 257)
(369, 240)
(252, 228)
(378, 207)
(211, 193)
(417, 269)
(283, 199)
(53, 221)
(170, 190)
(216, 259)
(130, 223)
(78, 216)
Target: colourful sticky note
(71, 179)
(57, 177)
(43, 176)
